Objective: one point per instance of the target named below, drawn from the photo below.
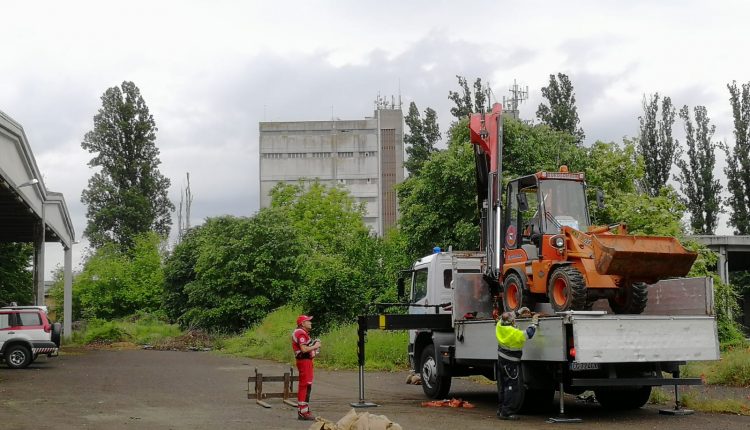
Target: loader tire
(630, 299)
(567, 289)
(515, 296)
(434, 384)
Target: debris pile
(355, 421)
(452, 403)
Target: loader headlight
(557, 241)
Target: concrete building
(31, 213)
(365, 156)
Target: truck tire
(567, 289)
(622, 398)
(17, 356)
(515, 296)
(630, 298)
(434, 385)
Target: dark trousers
(507, 385)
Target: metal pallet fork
(257, 393)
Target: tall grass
(140, 329)
(271, 339)
(733, 368)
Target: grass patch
(141, 329)
(659, 397)
(732, 369)
(271, 340)
(693, 400)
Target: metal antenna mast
(517, 96)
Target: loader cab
(541, 204)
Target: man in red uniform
(305, 349)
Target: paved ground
(138, 389)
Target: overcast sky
(210, 71)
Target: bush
(99, 331)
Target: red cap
(303, 318)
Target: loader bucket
(641, 258)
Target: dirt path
(137, 389)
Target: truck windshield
(565, 201)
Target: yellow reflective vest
(509, 337)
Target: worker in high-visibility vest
(510, 341)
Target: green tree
(437, 207)
(561, 112)
(465, 101)
(16, 280)
(422, 137)
(115, 283)
(128, 195)
(242, 268)
(655, 142)
(701, 191)
(738, 160)
(530, 148)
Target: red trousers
(306, 373)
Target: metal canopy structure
(29, 212)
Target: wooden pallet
(288, 391)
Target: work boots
(306, 416)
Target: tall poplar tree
(701, 191)
(655, 142)
(421, 139)
(128, 194)
(738, 160)
(466, 101)
(562, 113)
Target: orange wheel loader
(540, 245)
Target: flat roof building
(364, 156)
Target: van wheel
(434, 385)
(630, 298)
(567, 289)
(17, 357)
(622, 398)
(515, 296)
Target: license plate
(584, 366)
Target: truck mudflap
(639, 338)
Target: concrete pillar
(723, 265)
(39, 265)
(68, 293)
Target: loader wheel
(567, 289)
(630, 298)
(515, 296)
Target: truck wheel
(622, 398)
(567, 289)
(515, 296)
(434, 385)
(630, 298)
(17, 357)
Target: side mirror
(523, 204)
(400, 287)
(600, 198)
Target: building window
(321, 155)
(296, 155)
(345, 154)
(368, 154)
(272, 155)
